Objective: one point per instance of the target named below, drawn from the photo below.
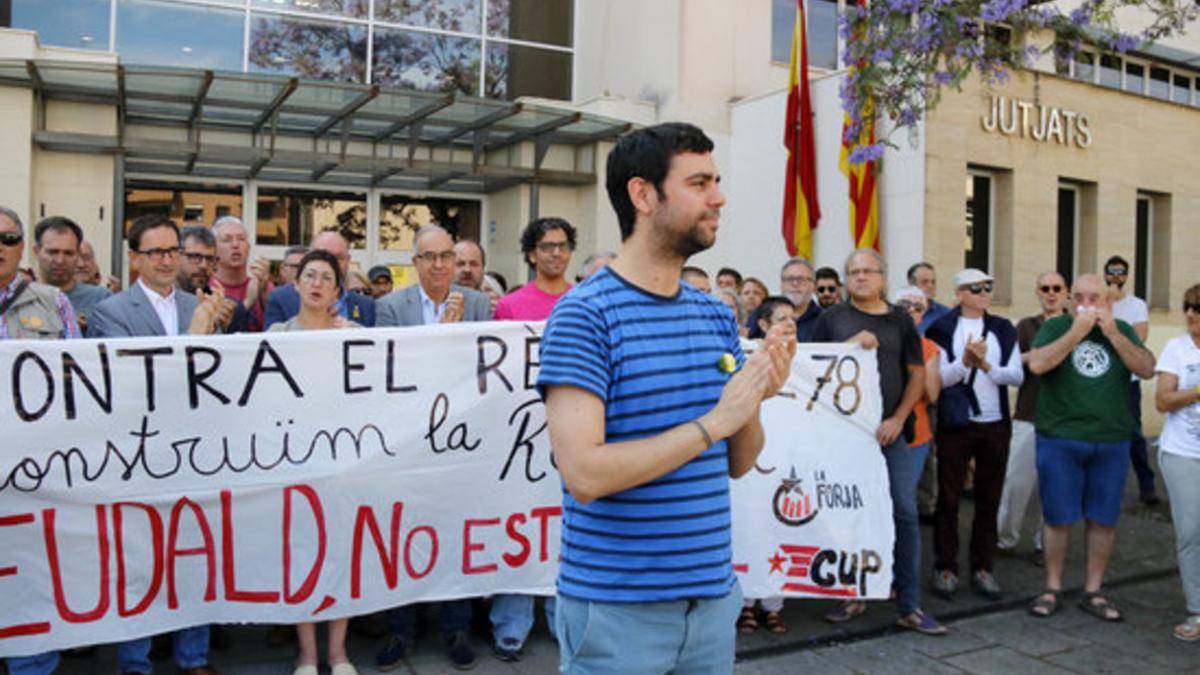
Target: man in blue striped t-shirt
(651, 408)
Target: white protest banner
(814, 517)
(149, 484)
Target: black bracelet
(708, 441)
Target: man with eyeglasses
(829, 287)
(796, 284)
(291, 263)
(868, 320)
(1132, 310)
(1020, 477)
(284, 302)
(547, 244)
(56, 242)
(980, 360)
(197, 258)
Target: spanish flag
(864, 192)
(800, 208)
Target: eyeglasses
(1116, 271)
(159, 254)
(1055, 288)
(862, 272)
(796, 279)
(1193, 306)
(826, 289)
(197, 258)
(552, 246)
(360, 291)
(314, 277)
(911, 306)
(286, 265)
(976, 289)
(430, 257)
(9, 238)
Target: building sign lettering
(1014, 117)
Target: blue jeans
(512, 616)
(38, 664)
(456, 619)
(920, 453)
(1137, 443)
(190, 646)
(682, 636)
(906, 564)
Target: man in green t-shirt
(1083, 429)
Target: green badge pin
(727, 364)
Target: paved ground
(985, 637)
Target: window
(1110, 71)
(426, 61)
(313, 49)
(461, 16)
(287, 217)
(977, 243)
(171, 34)
(1141, 258)
(517, 70)
(400, 216)
(821, 22)
(1135, 77)
(1181, 92)
(546, 21)
(1066, 252)
(183, 203)
(1160, 83)
(354, 9)
(1085, 66)
(65, 23)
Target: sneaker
(945, 584)
(985, 584)
(392, 655)
(846, 611)
(460, 653)
(508, 649)
(922, 623)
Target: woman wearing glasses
(319, 282)
(1178, 396)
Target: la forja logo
(794, 507)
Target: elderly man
(979, 361)
(291, 263)
(88, 271)
(242, 279)
(1020, 477)
(29, 311)
(923, 276)
(1083, 429)
(433, 299)
(797, 283)
(868, 320)
(284, 302)
(469, 264)
(594, 263)
(56, 243)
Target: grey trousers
(1182, 476)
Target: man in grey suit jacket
(153, 306)
(433, 299)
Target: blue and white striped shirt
(653, 361)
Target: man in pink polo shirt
(547, 244)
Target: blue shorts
(1081, 479)
(683, 636)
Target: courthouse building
(378, 116)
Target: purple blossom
(867, 153)
(1123, 43)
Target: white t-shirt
(1132, 310)
(986, 385)
(1181, 429)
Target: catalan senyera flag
(864, 191)
(801, 211)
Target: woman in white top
(1178, 396)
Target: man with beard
(56, 242)
(197, 258)
(469, 264)
(547, 244)
(1132, 310)
(651, 407)
(829, 287)
(797, 282)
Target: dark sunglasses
(976, 289)
(827, 289)
(1194, 306)
(1052, 289)
(9, 238)
(1116, 271)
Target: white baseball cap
(971, 276)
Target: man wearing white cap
(980, 359)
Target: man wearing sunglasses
(980, 360)
(1020, 478)
(829, 287)
(1132, 310)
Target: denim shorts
(1081, 479)
(682, 636)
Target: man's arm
(1142, 328)
(891, 428)
(1136, 358)
(1047, 357)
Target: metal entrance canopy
(201, 123)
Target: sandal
(1099, 606)
(846, 611)
(1189, 630)
(775, 623)
(747, 621)
(1046, 603)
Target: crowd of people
(637, 413)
